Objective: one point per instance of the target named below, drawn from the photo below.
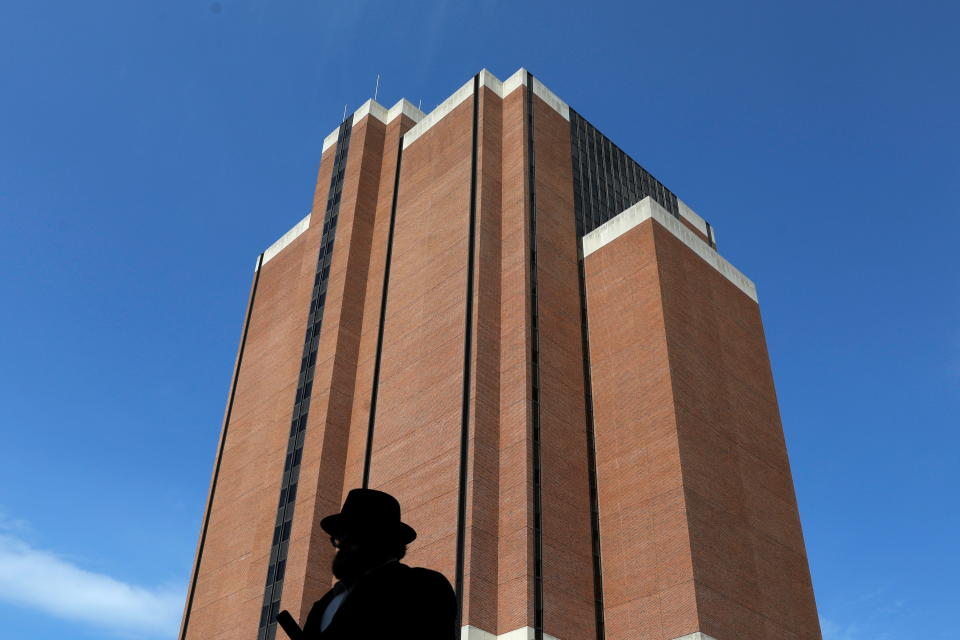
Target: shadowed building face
(497, 316)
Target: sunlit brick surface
(698, 525)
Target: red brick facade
(699, 519)
(698, 526)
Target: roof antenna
(344, 113)
(377, 88)
(419, 102)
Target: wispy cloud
(45, 581)
(836, 631)
(872, 612)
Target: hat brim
(338, 524)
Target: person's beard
(350, 564)
(346, 565)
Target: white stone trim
(424, 122)
(491, 81)
(502, 89)
(539, 89)
(285, 239)
(438, 114)
(691, 216)
(468, 632)
(331, 139)
(508, 86)
(650, 208)
(378, 111)
(370, 107)
(514, 81)
(406, 107)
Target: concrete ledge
(493, 83)
(508, 86)
(516, 80)
(502, 89)
(438, 114)
(331, 139)
(405, 107)
(375, 109)
(472, 633)
(650, 208)
(285, 239)
(691, 216)
(539, 89)
(372, 108)
(424, 122)
(468, 632)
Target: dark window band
(273, 587)
(535, 377)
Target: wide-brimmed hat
(370, 513)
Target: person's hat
(369, 511)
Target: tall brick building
(499, 317)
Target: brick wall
(233, 564)
(699, 525)
(698, 520)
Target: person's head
(357, 553)
(366, 533)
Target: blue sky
(150, 150)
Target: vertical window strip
(535, 377)
(467, 361)
(283, 524)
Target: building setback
(497, 316)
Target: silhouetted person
(377, 596)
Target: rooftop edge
(425, 121)
(649, 208)
(375, 109)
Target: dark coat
(394, 601)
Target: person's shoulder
(430, 579)
(426, 574)
(417, 579)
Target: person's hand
(289, 625)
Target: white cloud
(42, 580)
